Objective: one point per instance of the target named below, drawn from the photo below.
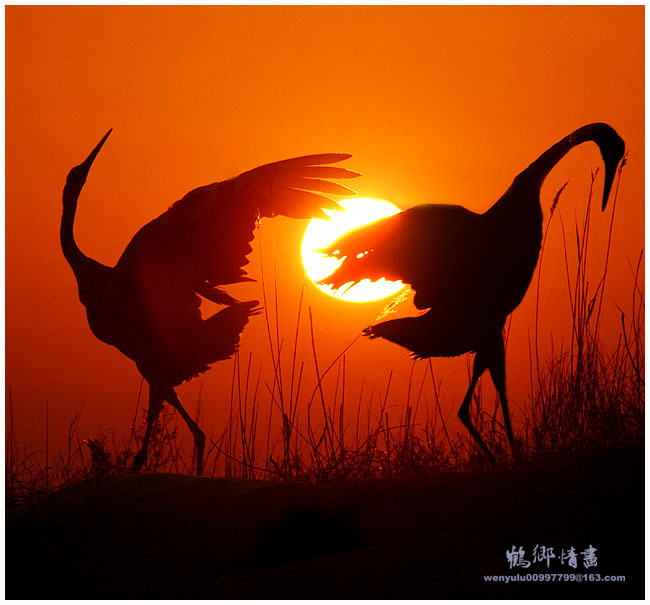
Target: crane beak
(88, 162)
(77, 176)
(613, 155)
(610, 173)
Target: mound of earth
(431, 536)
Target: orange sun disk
(321, 233)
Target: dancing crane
(469, 270)
(148, 305)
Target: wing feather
(297, 203)
(202, 240)
(315, 159)
(309, 184)
(325, 172)
(438, 249)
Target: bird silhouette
(469, 270)
(148, 304)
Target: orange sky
(437, 104)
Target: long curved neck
(611, 148)
(75, 257)
(521, 201)
(79, 262)
(86, 270)
(71, 251)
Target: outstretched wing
(436, 248)
(201, 241)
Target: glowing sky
(437, 104)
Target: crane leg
(497, 367)
(463, 413)
(155, 405)
(199, 435)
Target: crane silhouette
(148, 305)
(469, 270)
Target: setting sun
(321, 233)
(180, 396)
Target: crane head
(77, 176)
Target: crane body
(469, 271)
(149, 304)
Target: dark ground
(429, 536)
